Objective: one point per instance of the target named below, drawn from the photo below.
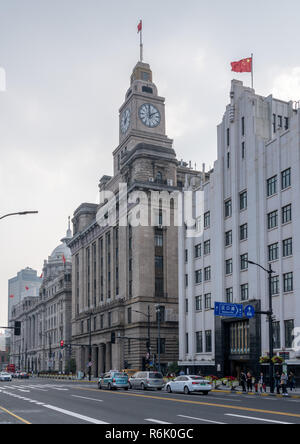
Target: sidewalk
(294, 394)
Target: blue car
(114, 380)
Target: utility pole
(158, 311)
(90, 348)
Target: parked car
(114, 380)
(5, 376)
(147, 380)
(24, 375)
(189, 384)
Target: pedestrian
(283, 383)
(249, 382)
(261, 383)
(277, 382)
(243, 380)
(292, 381)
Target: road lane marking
(258, 419)
(90, 399)
(15, 416)
(75, 415)
(156, 421)
(208, 404)
(201, 419)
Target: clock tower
(142, 115)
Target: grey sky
(68, 65)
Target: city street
(41, 401)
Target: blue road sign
(228, 310)
(250, 311)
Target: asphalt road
(40, 401)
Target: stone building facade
(125, 290)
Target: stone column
(108, 357)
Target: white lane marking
(75, 415)
(89, 399)
(201, 419)
(157, 421)
(258, 419)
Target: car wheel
(143, 386)
(186, 390)
(205, 393)
(169, 390)
(126, 388)
(159, 389)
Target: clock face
(149, 115)
(125, 121)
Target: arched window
(159, 177)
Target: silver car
(147, 381)
(5, 376)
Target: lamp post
(158, 311)
(148, 315)
(269, 313)
(21, 213)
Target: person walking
(249, 382)
(261, 383)
(292, 381)
(283, 383)
(243, 380)
(277, 382)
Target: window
(287, 214)
(243, 150)
(228, 160)
(279, 121)
(288, 282)
(186, 256)
(228, 238)
(228, 208)
(198, 276)
(199, 342)
(286, 179)
(228, 136)
(243, 200)
(273, 252)
(109, 319)
(198, 301)
(207, 273)
(159, 263)
(186, 305)
(102, 322)
(186, 280)
(286, 123)
(273, 219)
(228, 266)
(289, 337)
(207, 247)
(159, 240)
(129, 315)
(287, 247)
(244, 292)
(243, 126)
(145, 76)
(207, 301)
(274, 123)
(244, 261)
(244, 232)
(208, 341)
(275, 289)
(161, 345)
(272, 186)
(187, 343)
(276, 335)
(198, 251)
(207, 219)
(229, 295)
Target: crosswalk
(38, 387)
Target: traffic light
(113, 337)
(62, 343)
(17, 328)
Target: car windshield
(155, 376)
(196, 378)
(119, 375)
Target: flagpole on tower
(140, 30)
(252, 72)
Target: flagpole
(141, 42)
(252, 72)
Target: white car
(189, 384)
(5, 376)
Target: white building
(247, 209)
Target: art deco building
(121, 271)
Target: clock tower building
(125, 279)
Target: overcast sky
(68, 65)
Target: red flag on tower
(26, 288)
(244, 65)
(11, 296)
(140, 26)
(64, 259)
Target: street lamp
(270, 317)
(158, 311)
(21, 213)
(148, 315)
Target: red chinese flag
(64, 259)
(244, 65)
(26, 288)
(41, 276)
(11, 296)
(140, 26)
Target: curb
(256, 394)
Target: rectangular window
(228, 136)
(198, 301)
(228, 160)
(279, 121)
(275, 287)
(273, 251)
(186, 305)
(286, 123)
(244, 232)
(207, 301)
(207, 247)
(186, 256)
(129, 315)
(228, 208)
(159, 240)
(101, 322)
(198, 251)
(276, 335)
(109, 319)
(287, 214)
(288, 284)
(186, 280)
(272, 186)
(229, 295)
(228, 238)
(273, 219)
(244, 261)
(244, 292)
(274, 123)
(243, 126)
(286, 179)
(208, 341)
(207, 273)
(243, 200)
(159, 263)
(287, 247)
(228, 266)
(207, 219)
(187, 343)
(199, 342)
(243, 150)
(198, 276)
(289, 337)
